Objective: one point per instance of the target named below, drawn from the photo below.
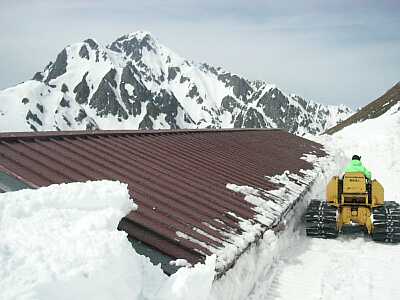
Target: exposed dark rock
(133, 102)
(40, 107)
(251, 119)
(59, 67)
(188, 119)
(91, 125)
(168, 105)
(33, 117)
(146, 123)
(38, 76)
(238, 121)
(161, 78)
(209, 68)
(193, 92)
(33, 128)
(229, 103)
(67, 121)
(82, 91)
(172, 72)
(64, 103)
(81, 115)
(302, 102)
(104, 99)
(199, 100)
(163, 103)
(276, 105)
(132, 47)
(92, 44)
(64, 88)
(183, 79)
(83, 52)
(241, 87)
(25, 100)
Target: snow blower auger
(354, 202)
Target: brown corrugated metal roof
(177, 178)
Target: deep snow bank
(61, 242)
(282, 214)
(378, 143)
(351, 266)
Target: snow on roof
(199, 192)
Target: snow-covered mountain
(137, 83)
(373, 110)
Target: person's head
(356, 157)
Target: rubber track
(387, 223)
(320, 220)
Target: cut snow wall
(255, 264)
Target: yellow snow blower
(354, 201)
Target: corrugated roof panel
(177, 178)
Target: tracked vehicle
(353, 201)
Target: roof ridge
(76, 133)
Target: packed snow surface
(351, 266)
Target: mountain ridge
(137, 83)
(372, 110)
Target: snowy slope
(373, 110)
(136, 82)
(349, 267)
(378, 142)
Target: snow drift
(61, 242)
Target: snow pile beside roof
(61, 242)
(270, 208)
(254, 268)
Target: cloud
(328, 51)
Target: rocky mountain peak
(137, 83)
(132, 45)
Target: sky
(332, 52)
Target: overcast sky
(328, 51)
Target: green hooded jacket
(356, 166)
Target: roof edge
(79, 133)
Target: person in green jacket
(356, 166)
